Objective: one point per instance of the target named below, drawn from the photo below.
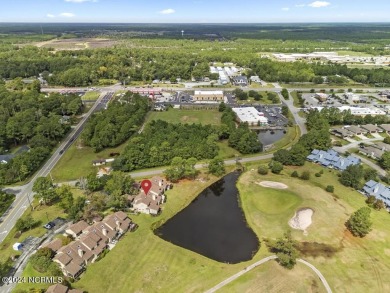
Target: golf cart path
(256, 264)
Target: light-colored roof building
(250, 115)
(215, 96)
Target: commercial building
(357, 111)
(251, 116)
(213, 96)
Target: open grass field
(271, 277)
(90, 96)
(77, 162)
(212, 117)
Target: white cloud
(50, 15)
(80, 1)
(167, 11)
(300, 5)
(319, 4)
(67, 14)
(285, 9)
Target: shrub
(330, 188)
(317, 174)
(262, 170)
(322, 171)
(305, 175)
(276, 167)
(295, 174)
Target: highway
(25, 194)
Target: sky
(194, 11)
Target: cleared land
(77, 44)
(212, 117)
(77, 162)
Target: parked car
(49, 225)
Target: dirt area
(77, 44)
(301, 219)
(273, 184)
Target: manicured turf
(352, 257)
(271, 277)
(212, 117)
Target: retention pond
(214, 225)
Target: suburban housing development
(89, 242)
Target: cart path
(264, 260)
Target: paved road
(355, 144)
(294, 110)
(260, 262)
(24, 195)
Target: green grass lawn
(77, 162)
(271, 277)
(212, 117)
(90, 96)
(143, 262)
(268, 213)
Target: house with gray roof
(332, 159)
(378, 190)
(371, 128)
(385, 127)
(342, 132)
(372, 152)
(356, 130)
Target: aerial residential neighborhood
(194, 146)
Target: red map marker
(146, 185)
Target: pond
(213, 225)
(270, 136)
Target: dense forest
(31, 118)
(139, 59)
(161, 141)
(116, 124)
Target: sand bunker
(301, 219)
(273, 184)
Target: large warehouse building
(209, 96)
(250, 115)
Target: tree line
(113, 126)
(31, 118)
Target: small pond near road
(213, 225)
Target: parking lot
(274, 115)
